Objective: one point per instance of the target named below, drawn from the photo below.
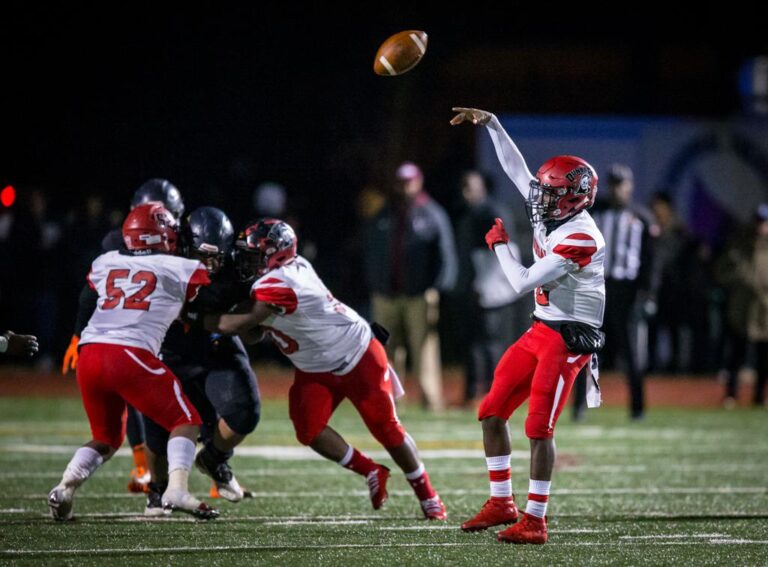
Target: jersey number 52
(137, 300)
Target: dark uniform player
(165, 192)
(214, 370)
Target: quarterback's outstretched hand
(473, 115)
(71, 356)
(20, 345)
(497, 234)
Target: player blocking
(118, 356)
(335, 354)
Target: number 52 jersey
(139, 297)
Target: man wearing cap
(627, 276)
(410, 257)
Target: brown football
(400, 53)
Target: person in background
(484, 291)
(732, 274)
(410, 257)
(628, 261)
(35, 250)
(756, 273)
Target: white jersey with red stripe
(317, 332)
(579, 295)
(139, 297)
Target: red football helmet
(564, 186)
(150, 227)
(263, 246)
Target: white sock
(83, 464)
(500, 473)
(347, 456)
(417, 473)
(178, 479)
(538, 497)
(181, 453)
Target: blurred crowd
(676, 302)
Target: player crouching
(141, 291)
(335, 354)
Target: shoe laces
(373, 481)
(433, 504)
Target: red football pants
(111, 375)
(538, 365)
(314, 396)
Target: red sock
(419, 481)
(355, 461)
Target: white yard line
(299, 453)
(332, 470)
(703, 490)
(314, 547)
(675, 536)
(313, 523)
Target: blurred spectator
(682, 280)
(410, 258)
(668, 282)
(733, 274)
(352, 290)
(627, 279)
(269, 200)
(757, 328)
(483, 290)
(34, 249)
(84, 237)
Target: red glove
(497, 235)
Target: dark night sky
(219, 98)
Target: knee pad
(245, 419)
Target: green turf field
(682, 487)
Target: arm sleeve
(198, 279)
(85, 308)
(512, 161)
(281, 297)
(524, 279)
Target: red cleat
(377, 485)
(529, 529)
(495, 512)
(434, 509)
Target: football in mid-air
(400, 53)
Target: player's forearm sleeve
(512, 161)
(524, 279)
(85, 308)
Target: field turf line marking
(484, 543)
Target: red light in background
(8, 196)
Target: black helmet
(208, 236)
(160, 190)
